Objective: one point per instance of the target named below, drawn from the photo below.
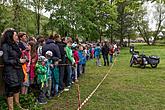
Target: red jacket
(76, 57)
(111, 51)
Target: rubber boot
(10, 103)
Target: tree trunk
(38, 17)
(129, 41)
(100, 35)
(16, 19)
(38, 21)
(159, 25)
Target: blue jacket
(82, 58)
(97, 51)
(49, 69)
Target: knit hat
(74, 45)
(41, 58)
(49, 53)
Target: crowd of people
(46, 65)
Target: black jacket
(51, 46)
(62, 46)
(12, 73)
(105, 50)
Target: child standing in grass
(83, 62)
(111, 52)
(76, 57)
(55, 76)
(97, 54)
(40, 71)
(26, 69)
(70, 61)
(49, 73)
(80, 54)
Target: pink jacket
(32, 67)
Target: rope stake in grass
(78, 92)
(91, 94)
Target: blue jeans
(98, 63)
(111, 58)
(69, 75)
(106, 60)
(55, 81)
(54, 87)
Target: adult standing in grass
(105, 52)
(13, 73)
(61, 46)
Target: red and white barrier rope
(92, 93)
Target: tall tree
(159, 16)
(38, 6)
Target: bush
(26, 101)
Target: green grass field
(125, 88)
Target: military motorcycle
(143, 60)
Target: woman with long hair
(13, 73)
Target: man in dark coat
(105, 51)
(61, 46)
(51, 46)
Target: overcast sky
(150, 14)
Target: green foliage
(126, 11)
(88, 18)
(22, 20)
(26, 101)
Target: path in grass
(125, 88)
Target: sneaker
(61, 91)
(42, 102)
(99, 65)
(72, 82)
(68, 86)
(66, 89)
(49, 97)
(57, 94)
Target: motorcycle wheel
(143, 66)
(131, 64)
(154, 65)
